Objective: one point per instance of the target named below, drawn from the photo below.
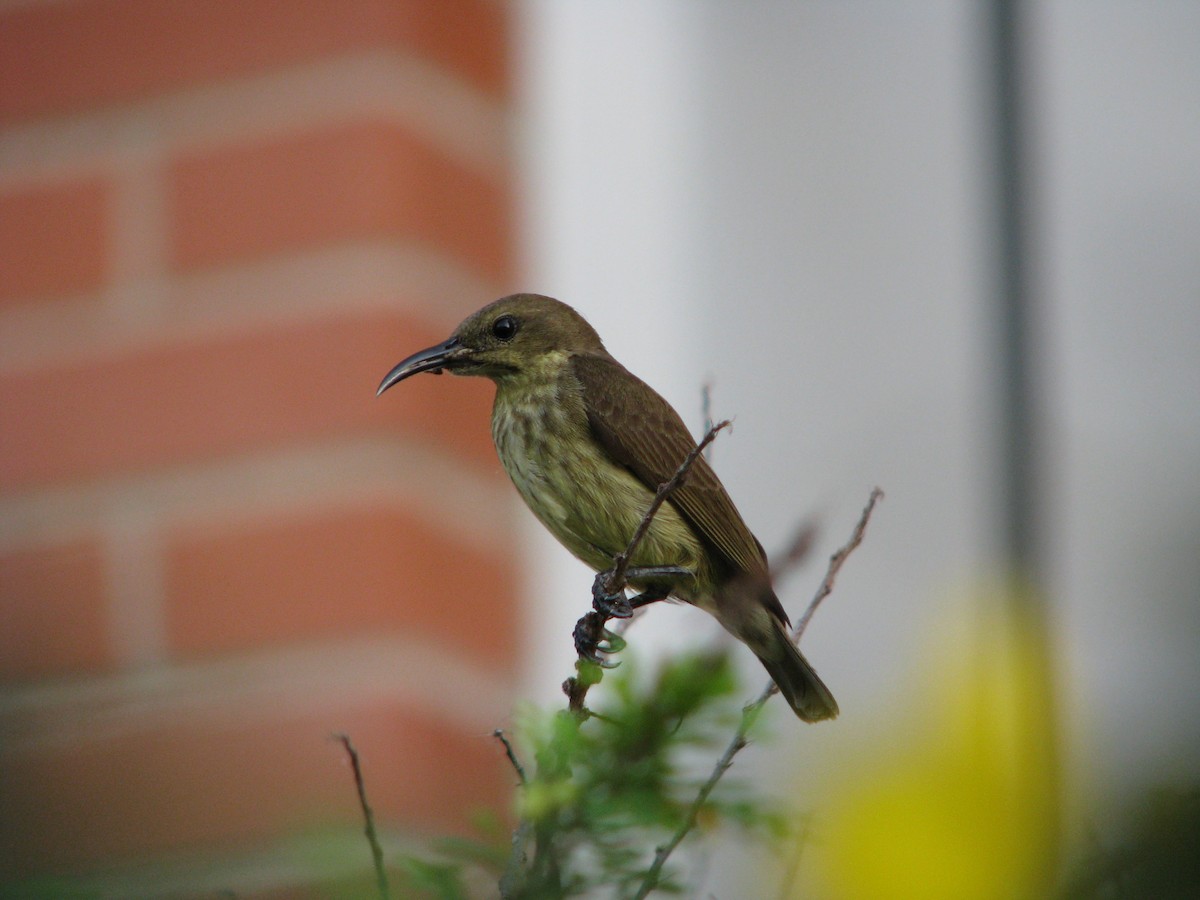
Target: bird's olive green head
(514, 335)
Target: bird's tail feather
(797, 680)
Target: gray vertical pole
(1018, 481)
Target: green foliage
(607, 789)
(438, 879)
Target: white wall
(1121, 166)
(795, 194)
(610, 190)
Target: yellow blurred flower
(964, 805)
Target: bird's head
(513, 338)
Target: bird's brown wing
(643, 433)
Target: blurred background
(221, 223)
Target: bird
(587, 444)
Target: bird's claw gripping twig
(592, 639)
(615, 605)
(610, 605)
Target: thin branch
(511, 879)
(499, 735)
(650, 882)
(517, 856)
(372, 836)
(750, 712)
(706, 410)
(836, 561)
(588, 673)
(616, 578)
(577, 686)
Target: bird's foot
(592, 639)
(617, 605)
(609, 606)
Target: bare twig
(511, 879)
(517, 857)
(616, 578)
(836, 561)
(588, 673)
(499, 735)
(739, 741)
(751, 711)
(577, 686)
(706, 410)
(372, 836)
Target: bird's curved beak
(431, 359)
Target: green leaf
(443, 880)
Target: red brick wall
(221, 222)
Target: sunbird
(587, 444)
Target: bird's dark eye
(505, 328)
